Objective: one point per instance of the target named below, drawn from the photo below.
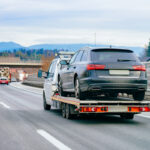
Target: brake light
(95, 67)
(139, 68)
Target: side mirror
(42, 74)
(39, 73)
(64, 62)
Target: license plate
(117, 109)
(119, 72)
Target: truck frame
(125, 107)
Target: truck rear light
(94, 109)
(95, 67)
(134, 109)
(139, 68)
(144, 109)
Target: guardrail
(33, 80)
(20, 64)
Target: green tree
(147, 50)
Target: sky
(113, 22)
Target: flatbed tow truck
(125, 107)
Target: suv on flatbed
(51, 77)
(106, 71)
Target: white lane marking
(4, 105)
(53, 140)
(144, 116)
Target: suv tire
(45, 105)
(60, 89)
(139, 95)
(78, 93)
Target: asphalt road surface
(24, 125)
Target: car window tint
(112, 56)
(78, 58)
(51, 66)
(73, 58)
(84, 56)
(54, 67)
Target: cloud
(32, 21)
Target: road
(24, 125)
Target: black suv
(106, 71)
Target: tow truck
(70, 106)
(125, 107)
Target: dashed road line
(4, 105)
(53, 140)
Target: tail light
(139, 68)
(145, 109)
(95, 67)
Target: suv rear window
(113, 56)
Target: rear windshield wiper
(125, 60)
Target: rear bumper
(3, 82)
(116, 85)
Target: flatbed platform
(103, 101)
(125, 107)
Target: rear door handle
(74, 67)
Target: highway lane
(24, 125)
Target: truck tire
(45, 105)
(60, 89)
(68, 112)
(139, 95)
(63, 110)
(127, 116)
(78, 93)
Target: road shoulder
(19, 85)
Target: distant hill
(58, 46)
(74, 47)
(9, 46)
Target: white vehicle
(51, 78)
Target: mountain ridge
(9, 46)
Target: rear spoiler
(112, 49)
